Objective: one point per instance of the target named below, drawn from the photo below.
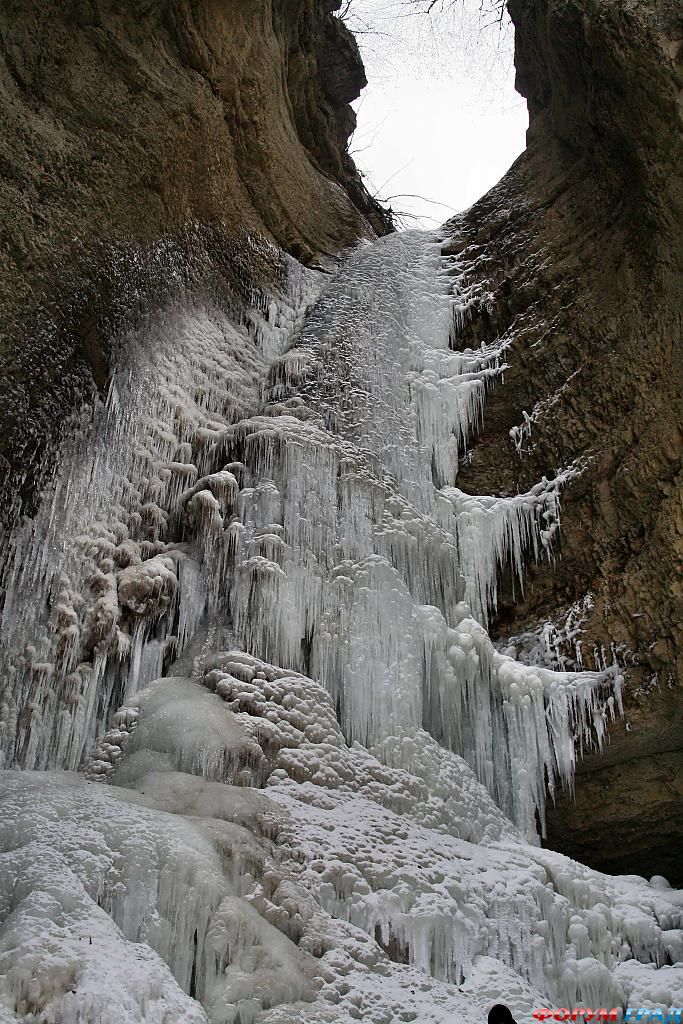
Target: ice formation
(493, 531)
(272, 767)
(560, 643)
(522, 432)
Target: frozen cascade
(253, 605)
(93, 593)
(493, 531)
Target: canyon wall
(583, 246)
(173, 128)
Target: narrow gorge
(341, 594)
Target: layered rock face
(180, 127)
(583, 245)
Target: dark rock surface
(126, 124)
(583, 242)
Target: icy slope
(322, 783)
(378, 886)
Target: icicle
(492, 531)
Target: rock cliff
(155, 127)
(582, 241)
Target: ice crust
(285, 775)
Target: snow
(77, 905)
(284, 774)
(327, 875)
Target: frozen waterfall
(272, 766)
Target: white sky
(440, 117)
